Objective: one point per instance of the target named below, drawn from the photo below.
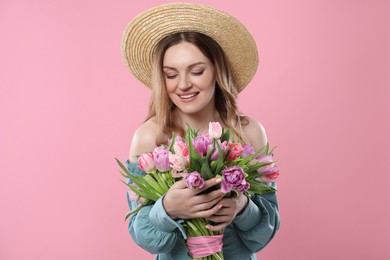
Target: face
(189, 78)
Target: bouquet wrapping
(198, 157)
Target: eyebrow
(192, 65)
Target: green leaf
(244, 161)
(124, 168)
(213, 166)
(190, 133)
(258, 165)
(208, 155)
(143, 185)
(124, 175)
(139, 192)
(225, 135)
(152, 182)
(192, 226)
(260, 188)
(172, 143)
(147, 194)
(163, 182)
(266, 149)
(272, 150)
(219, 161)
(138, 208)
(205, 170)
(129, 214)
(195, 158)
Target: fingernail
(207, 226)
(218, 180)
(220, 206)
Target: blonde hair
(225, 92)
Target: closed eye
(197, 73)
(170, 76)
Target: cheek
(205, 84)
(209, 83)
(170, 87)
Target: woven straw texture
(144, 32)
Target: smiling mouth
(188, 96)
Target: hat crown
(147, 29)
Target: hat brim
(146, 30)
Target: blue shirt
(153, 230)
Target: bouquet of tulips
(198, 157)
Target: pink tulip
(180, 147)
(267, 173)
(235, 150)
(270, 177)
(215, 130)
(146, 162)
(177, 162)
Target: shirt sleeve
(151, 228)
(258, 223)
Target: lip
(188, 97)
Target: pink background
(68, 106)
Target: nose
(184, 82)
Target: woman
(195, 68)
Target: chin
(189, 110)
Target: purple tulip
(243, 187)
(161, 159)
(233, 177)
(247, 151)
(267, 173)
(201, 143)
(215, 154)
(267, 168)
(194, 180)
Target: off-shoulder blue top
(153, 230)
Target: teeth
(189, 96)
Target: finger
(205, 205)
(208, 200)
(215, 195)
(208, 184)
(218, 219)
(207, 213)
(222, 212)
(219, 227)
(179, 185)
(227, 202)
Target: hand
(230, 208)
(182, 202)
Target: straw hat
(145, 31)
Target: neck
(200, 120)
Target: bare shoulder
(255, 133)
(144, 138)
